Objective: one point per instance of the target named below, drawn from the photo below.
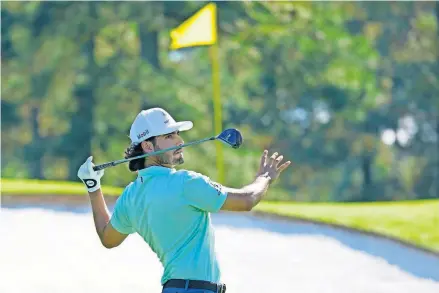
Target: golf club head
(232, 137)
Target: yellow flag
(199, 30)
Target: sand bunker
(46, 250)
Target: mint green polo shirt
(171, 210)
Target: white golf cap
(155, 122)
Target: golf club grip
(103, 166)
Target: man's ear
(147, 146)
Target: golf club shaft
(115, 163)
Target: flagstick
(217, 109)
(188, 34)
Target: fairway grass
(44, 187)
(416, 222)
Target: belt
(195, 284)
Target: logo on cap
(139, 136)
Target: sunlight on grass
(413, 221)
(36, 187)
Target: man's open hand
(269, 166)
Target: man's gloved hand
(91, 178)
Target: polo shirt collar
(155, 170)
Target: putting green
(416, 222)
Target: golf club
(231, 137)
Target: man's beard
(179, 160)
(163, 159)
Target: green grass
(416, 222)
(38, 187)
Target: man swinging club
(171, 209)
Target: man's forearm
(247, 197)
(258, 189)
(101, 215)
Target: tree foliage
(348, 90)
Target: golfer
(171, 209)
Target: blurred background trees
(348, 91)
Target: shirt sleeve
(119, 219)
(201, 192)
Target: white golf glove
(91, 178)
